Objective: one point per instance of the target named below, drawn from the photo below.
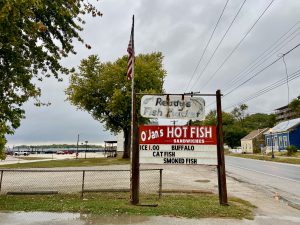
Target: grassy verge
(32, 158)
(109, 204)
(68, 163)
(291, 160)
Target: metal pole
(1, 180)
(220, 153)
(82, 187)
(77, 147)
(160, 183)
(272, 142)
(135, 168)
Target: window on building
(280, 141)
(275, 141)
(268, 142)
(284, 141)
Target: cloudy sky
(180, 29)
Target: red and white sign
(178, 144)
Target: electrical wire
(270, 49)
(269, 88)
(207, 44)
(263, 57)
(260, 71)
(237, 46)
(220, 42)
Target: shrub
(291, 150)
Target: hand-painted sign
(172, 107)
(178, 144)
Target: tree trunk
(127, 141)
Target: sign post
(220, 152)
(197, 145)
(135, 157)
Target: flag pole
(135, 164)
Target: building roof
(254, 134)
(283, 107)
(284, 126)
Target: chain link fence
(35, 181)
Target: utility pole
(220, 154)
(77, 146)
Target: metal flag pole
(135, 170)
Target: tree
(34, 36)
(233, 135)
(259, 121)
(239, 112)
(102, 89)
(295, 106)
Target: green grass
(68, 163)
(291, 159)
(110, 204)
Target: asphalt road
(279, 178)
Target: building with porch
(284, 134)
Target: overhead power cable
(207, 44)
(279, 43)
(238, 45)
(269, 88)
(220, 42)
(264, 56)
(260, 71)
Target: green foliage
(2, 146)
(233, 135)
(259, 121)
(116, 205)
(238, 124)
(239, 113)
(291, 150)
(102, 89)
(34, 36)
(295, 106)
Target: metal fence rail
(40, 181)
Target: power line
(207, 45)
(237, 46)
(269, 88)
(253, 65)
(270, 49)
(221, 40)
(256, 74)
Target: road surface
(280, 178)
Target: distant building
(253, 141)
(283, 135)
(285, 113)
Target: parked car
(21, 153)
(68, 152)
(60, 152)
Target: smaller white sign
(173, 107)
(178, 154)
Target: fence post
(1, 180)
(160, 183)
(82, 187)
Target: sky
(180, 29)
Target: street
(281, 179)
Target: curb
(293, 203)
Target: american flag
(130, 50)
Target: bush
(291, 150)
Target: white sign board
(173, 107)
